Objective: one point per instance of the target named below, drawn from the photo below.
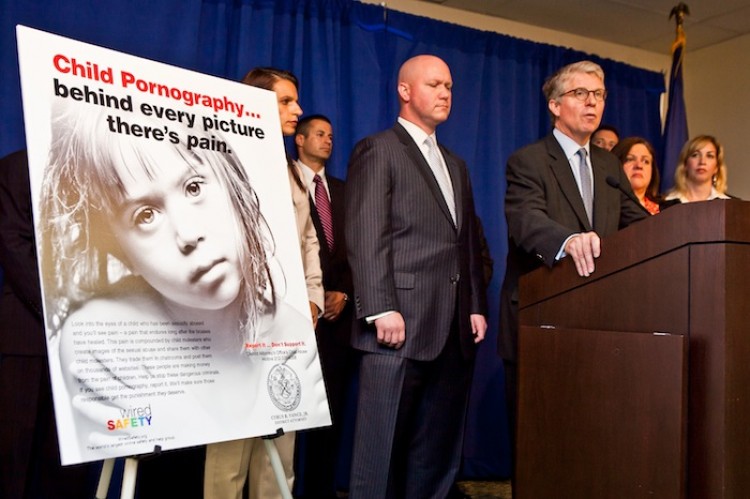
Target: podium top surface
(717, 221)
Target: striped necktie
(323, 205)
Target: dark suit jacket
(405, 253)
(336, 273)
(28, 442)
(543, 207)
(21, 303)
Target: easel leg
(104, 478)
(278, 468)
(128, 478)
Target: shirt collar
(416, 133)
(569, 146)
(717, 195)
(674, 194)
(308, 175)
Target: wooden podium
(635, 382)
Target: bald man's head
(424, 91)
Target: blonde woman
(701, 174)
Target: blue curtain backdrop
(347, 56)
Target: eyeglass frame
(579, 91)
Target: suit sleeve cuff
(372, 318)
(561, 254)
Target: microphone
(613, 182)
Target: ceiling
(642, 24)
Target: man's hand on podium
(583, 248)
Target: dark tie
(586, 194)
(323, 205)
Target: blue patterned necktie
(586, 191)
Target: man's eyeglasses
(582, 94)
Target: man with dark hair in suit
(558, 202)
(418, 294)
(606, 137)
(314, 142)
(29, 456)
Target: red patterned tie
(323, 205)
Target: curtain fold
(346, 55)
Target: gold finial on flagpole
(679, 12)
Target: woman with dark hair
(638, 160)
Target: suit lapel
(415, 154)
(336, 189)
(600, 196)
(324, 252)
(561, 169)
(456, 182)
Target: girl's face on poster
(176, 229)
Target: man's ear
(404, 91)
(299, 139)
(554, 107)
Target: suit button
(455, 278)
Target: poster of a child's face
(176, 228)
(186, 221)
(175, 303)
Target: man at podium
(560, 199)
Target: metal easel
(131, 470)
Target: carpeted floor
(486, 490)
(477, 489)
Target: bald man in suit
(418, 294)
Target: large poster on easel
(175, 304)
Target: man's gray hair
(554, 87)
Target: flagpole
(675, 126)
